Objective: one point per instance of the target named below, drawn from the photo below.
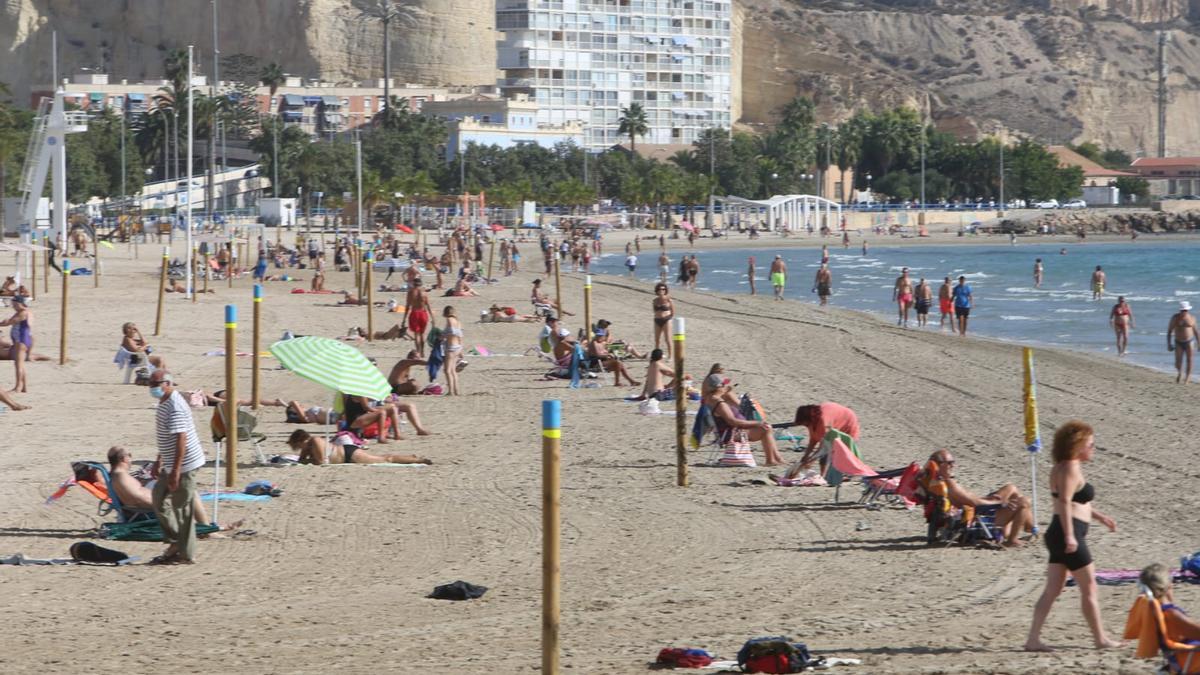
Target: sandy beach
(338, 570)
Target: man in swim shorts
(1098, 280)
(924, 298)
(416, 313)
(946, 304)
(1037, 273)
(823, 284)
(962, 304)
(778, 276)
(902, 295)
(1181, 339)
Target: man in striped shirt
(180, 456)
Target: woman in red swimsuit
(1121, 319)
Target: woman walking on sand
(22, 340)
(664, 311)
(1074, 444)
(453, 336)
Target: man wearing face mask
(180, 457)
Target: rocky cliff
(437, 42)
(1059, 70)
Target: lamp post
(1000, 212)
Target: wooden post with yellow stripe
(558, 285)
(587, 305)
(162, 291)
(681, 467)
(231, 433)
(256, 358)
(62, 327)
(551, 446)
(368, 286)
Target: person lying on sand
(137, 495)
(218, 398)
(6, 352)
(402, 382)
(361, 413)
(396, 332)
(175, 286)
(498, 314)
(315, 450)
(298, 413)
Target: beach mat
(144, 530)
(234, 497)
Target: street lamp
(870, 194)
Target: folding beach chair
(946, 524)
(246, 424)
(103, 491)
(890, 487)
(1147, 624)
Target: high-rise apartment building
(585, 60)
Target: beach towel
(385, 464)
(22, 560)
(305, 291)
(1120, 577)
(143, 530)
(576, 369)
(1149, 625)
(676, 657)
(437, 353)
(233, 497)
(702, 426)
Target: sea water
(1153, 276)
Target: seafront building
(486, 119)
(585, 60)
(1169, 176)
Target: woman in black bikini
(664, 311)
(1074, 444)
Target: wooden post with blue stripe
(62, 328)
(551, 535)
(681, 467)
(162, 290)
(255, 359)
(370, 294)
(231, 433)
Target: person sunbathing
(498, 314)
(218, 398)
(135, 494)
(298, 413)
(1015, 515)
(462, 290)
(361, 413)
(318, 282)
(9, 287)
(349, 298)
(314, 450)
(402, 382)
(537, 297)
(1180, 626)
(176, 286)
(656, 372)
(6, 352)
(728, 418)
(133, 342)
(598, 353)
(603, 328)
(396, 332)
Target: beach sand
(337, 574)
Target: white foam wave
(1188, 278)
(1017, 317)
(1075, 311)
(1183, 293)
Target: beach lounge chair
(895, 487)
(132, 363)
(1147, 624)
(246, 424)
(103, 491)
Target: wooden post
(558, 286)
(551, 572)
(206, 269)
(229, 270)
(587, 305)
(491, 257)
(195, 261)
(96, 258)
(681, 467)
(231, 434)
(370, 294)
(62, 327)
(46, 266)
(162, 291)
(255, 359)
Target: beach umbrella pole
(255, 358)
(551, 571)
(1033, 440)
(62, 329)
(681, 467)
(162, 291)
(231, 429)
(369, 287)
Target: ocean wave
(977, 275)
(1017, 317)
(723, 272)
(1075, 311)
(1183, 293)
(1188, 278)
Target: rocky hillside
(1060, 70)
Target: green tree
(1115, 159)
(633, 123)
(15, 127)
(272, 77)
(1133, 186)
(1034, 173)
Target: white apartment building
(585, 60)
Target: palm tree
(633, 123)
(387, 11)
(272, 77)
(175, 66)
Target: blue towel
(234, 497)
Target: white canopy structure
(783, 212)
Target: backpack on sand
(773, 655)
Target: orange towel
(1146, 623)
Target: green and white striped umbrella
(332, 364)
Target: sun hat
(715, 381)
(1185, 305)
(563, 332)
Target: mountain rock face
(1057, 70)
(436, 42)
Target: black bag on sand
(87, 552)
(459, 590)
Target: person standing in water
(946, 304)
(864, 248)
(750, 275)
(778, 276)
(823, 284)
(1098, 280)
(924, 295)
(902, 295)
(962, 304)
(1037, 273)
(1121, 319)
(1181, 339)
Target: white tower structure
(48, 151)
